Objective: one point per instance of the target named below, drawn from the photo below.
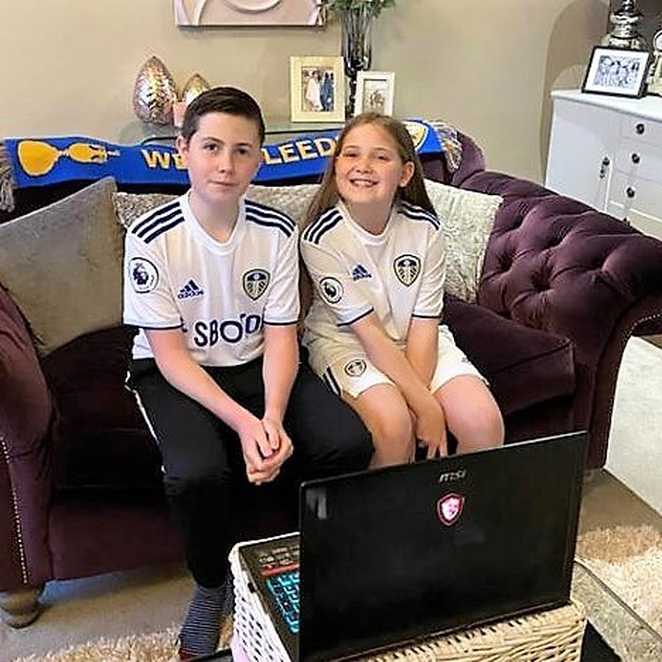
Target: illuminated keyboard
(280, 566)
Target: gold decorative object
(194, 87)
(154, 92)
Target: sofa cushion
(467, 221)
(62, 265)
(292, 200)
(524, 366)
(129, 206)
(99, 436)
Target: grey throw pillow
(130, 206)
(62, 265)
(467, 220)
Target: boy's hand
(276, 435)
(258, 454)
(280, 443)
(431, 429)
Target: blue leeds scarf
(45, 161)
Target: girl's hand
(431, 430)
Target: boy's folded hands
(265, 447)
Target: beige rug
(152, 647)
(629, 560)
(155, 647)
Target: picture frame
(204, 13)
(618, 72)
(655, 84)
(317, 89)
(375, 92)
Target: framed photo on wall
(617, 71)
(317, 89)
(375, 92)
(197, 13)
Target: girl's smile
(368, 173)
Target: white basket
(253, 627)
(554, 635)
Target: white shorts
(356, 374)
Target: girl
(375, 252)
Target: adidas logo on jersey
(360, 272)
(190, 290)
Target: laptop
(394, 556)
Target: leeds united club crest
(407, 268)
(255, 283)
(355, 368)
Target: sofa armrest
(25, 479)
(555, 264)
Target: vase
(356, 27)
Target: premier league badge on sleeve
(255, 283)
(407, 268)
(143, 275)
(331, 289)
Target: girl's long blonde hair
(327, 194)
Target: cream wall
(68, 66)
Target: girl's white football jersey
(398, 274)
(219, 294)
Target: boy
(211, 281)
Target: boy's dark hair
(228, 100)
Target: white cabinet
(607, 152)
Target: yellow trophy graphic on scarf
(39, 158)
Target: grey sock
(200, 631)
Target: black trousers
(205, 478)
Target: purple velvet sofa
(563, 288)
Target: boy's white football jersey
(219, 294)
(398, 274)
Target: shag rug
(154, 647)
(628, 559)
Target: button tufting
(505, 261)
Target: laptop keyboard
(280, 566)
(285, 588)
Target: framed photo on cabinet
(617, 71)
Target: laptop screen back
(393, 555)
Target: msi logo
(452, 476)
(449, 508)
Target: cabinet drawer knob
(636, 158)
(630, 192)
(603, 167)
(640, 128)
